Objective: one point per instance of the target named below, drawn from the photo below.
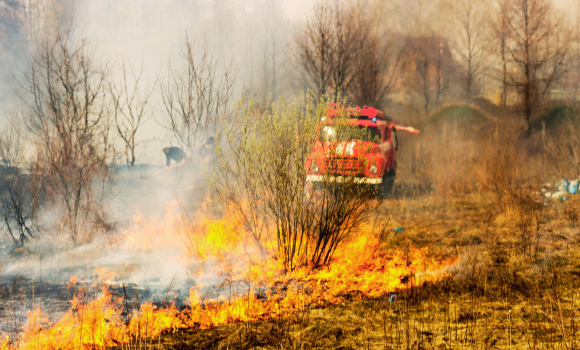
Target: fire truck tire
(388, 183)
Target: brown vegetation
(516, 286)
(65, 116)
(260, 181)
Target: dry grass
(517, 282)
(515, 287)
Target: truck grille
(344, 166)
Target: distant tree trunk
(577, 84)
(469, 18)
(499, 30)
(424, 73)
(527, 84)
(439, 76)
(504, 76)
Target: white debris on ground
(562, 190)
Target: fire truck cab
(355, 143)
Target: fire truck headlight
(314, 168)
(373, 169)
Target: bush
(260, 179)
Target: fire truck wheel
(388, 183)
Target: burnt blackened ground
(52, 259)
(18, 295)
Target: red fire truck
(355, 144)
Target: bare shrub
(131, 108)
(16, 197)
(261, 180)
(196, 95)
(65, 114)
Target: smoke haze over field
(150, 33)
(409, 52)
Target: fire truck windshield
(350, 133)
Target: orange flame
(150, 321)
(72, 282)
(105, 275)
(356, 270)
(4, 341)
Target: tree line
(524, 47)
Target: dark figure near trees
(174, 153)
(178, 156)
(207, 152)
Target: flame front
(356, 271)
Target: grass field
(511, 282)
(516, 282)
(516, 286)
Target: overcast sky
(296, 9)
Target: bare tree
(377, 64)
(132, 108)
(196, 96)
(313, 49)
(346, 48)
(538, 44)
(16, 198)
(470, 23)
(65, 115)
(427, 68)
(326, 48)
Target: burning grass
(252, 288)
(460, 274)
(503, 294)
